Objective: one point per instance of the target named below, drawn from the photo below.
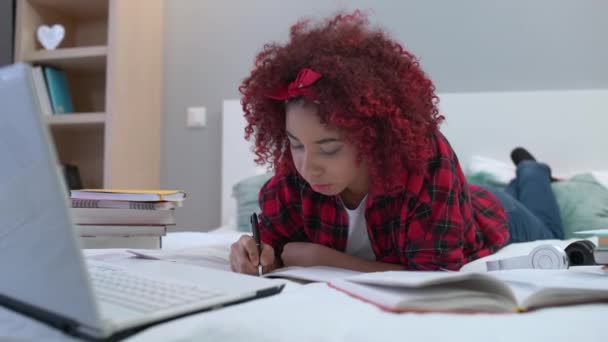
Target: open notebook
(499, 291)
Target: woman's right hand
(244, 256)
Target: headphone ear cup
(581, 253)
(548, 257)
(590, 244)
(541, 257)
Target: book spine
(601, 256)
(142, 205)
(103, 216)
(116, 230)
(139, 242)
(78, 203)
(100, 204)
(59, 91)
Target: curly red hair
(371, 89)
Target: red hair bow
(299, 87)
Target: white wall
(567, 129)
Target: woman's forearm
(339, 259)
(311, 254)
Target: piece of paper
(205, 256)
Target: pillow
(486, 180)
(583, 203)
(246, 193)
(601, 177)
(498, 171)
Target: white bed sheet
(316, 312)
(319, 313)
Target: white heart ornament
(50, 37)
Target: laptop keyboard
(143, 294)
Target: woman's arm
(312, 254)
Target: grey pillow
(246, 193)
(583, 203)
(486, 180)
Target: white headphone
(541, 257)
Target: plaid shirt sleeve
(491, 218)
(442, 231)
(281, 219)
(435, 233)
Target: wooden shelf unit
(77, 119)
(90, 58)
(112, 57)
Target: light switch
(197, 117)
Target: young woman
(363, 178)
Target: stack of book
(601, 251)
(123, 218)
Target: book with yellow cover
(129, 195)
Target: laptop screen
(40, 260)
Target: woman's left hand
(306, 254)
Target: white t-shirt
(358, 240)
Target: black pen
(256, 237)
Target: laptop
(44, 273)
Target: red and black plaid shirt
(439, 221)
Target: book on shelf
(508, 291)
(71, 174)
(59, 90)
(42, 92)
(103, 216)
(119, 230)
(129, 195)
(135, 242)
(105, 204)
